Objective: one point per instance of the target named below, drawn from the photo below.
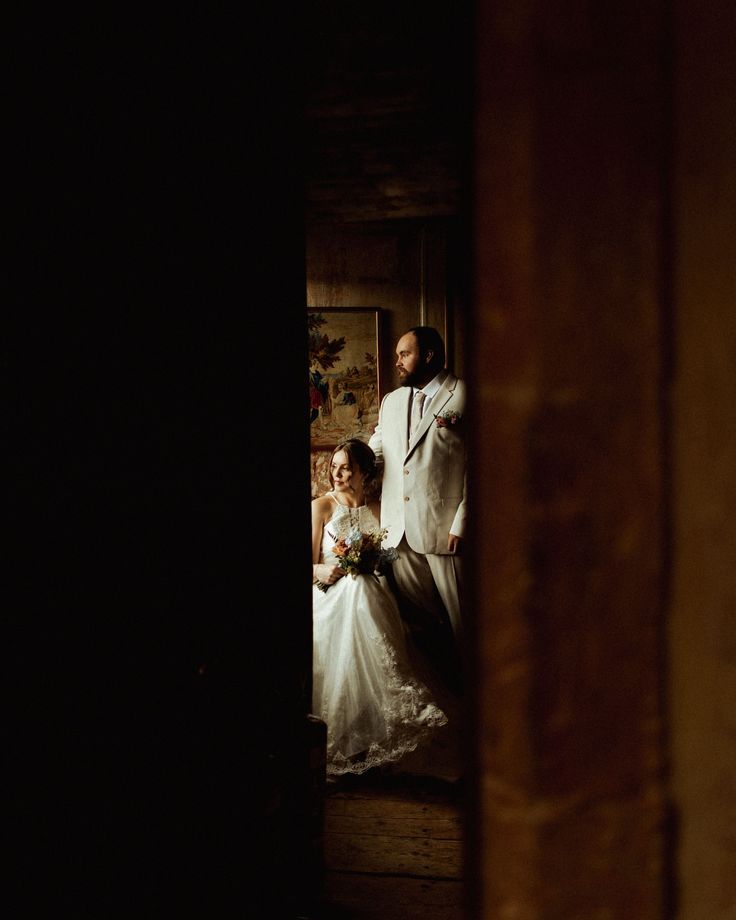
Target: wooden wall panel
(402, 267)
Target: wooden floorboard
(412, 856)
(393, 849)
(393, 837)
(427, 825)
(369, 897)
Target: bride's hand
(327, 574)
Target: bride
(364, 689)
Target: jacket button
(406, 498)
(406, 472)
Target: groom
(419, 444)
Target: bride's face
(344, 478)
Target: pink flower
(447, 419)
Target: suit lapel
(405, 413)
(435, 407)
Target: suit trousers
(430, 582)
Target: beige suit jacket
(424, 482)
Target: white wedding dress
(364, 689)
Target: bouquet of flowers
(360, 553)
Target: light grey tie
(416, 412)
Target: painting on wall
(344, 378)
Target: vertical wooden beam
(567, 465)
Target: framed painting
(344, 380)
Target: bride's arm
(321, 513)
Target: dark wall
(388, 100)
(159, 646)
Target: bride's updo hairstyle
(359, 455)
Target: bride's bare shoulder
(323, 504)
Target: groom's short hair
(428, 339)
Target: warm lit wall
(403, 267)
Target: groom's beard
(410, 380)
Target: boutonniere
(447, 419)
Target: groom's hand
(454, 543)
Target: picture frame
(345, 388)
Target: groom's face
(409, 364)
